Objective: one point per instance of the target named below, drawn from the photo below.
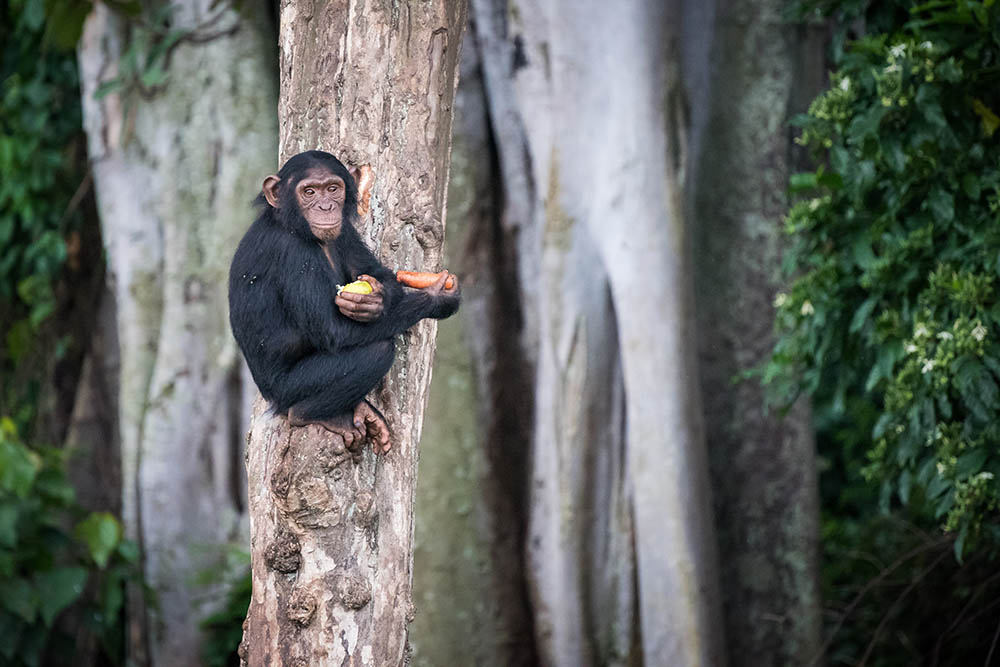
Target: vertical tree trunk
(332, 534)
(472, 495)
(586, 108)
(174, 170)
(763, 464)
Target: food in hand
(357, 287)
(420, 279)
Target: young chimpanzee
(314, 353)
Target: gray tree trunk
(585, 103)
(174, 171)
(763, 465)
(469, 576)
(332, 534)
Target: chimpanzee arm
(311, 307)
(359, 260)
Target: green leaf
(8, 525)
(113, 596)
(905, 484)
(942, 205)
(101, 532)
(154, 76)
(18, 467)
(802, 181)
(129, 551)
(19, 597)
(938, 486)
(19, 338)
(934, 115)
(33, 13)
(862, 314)
(960, 543)
(864, 257)
(970, 184)
(108, 87)
(58, 589)
(894, 155)
(971, 462)
(990, 120)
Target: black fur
(302, 351)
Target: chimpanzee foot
(366, 416)
(343, 425)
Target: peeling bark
(174, 171)
(373, 85)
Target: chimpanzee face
(320, 195)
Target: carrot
(420, 279)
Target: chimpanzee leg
(326, 385)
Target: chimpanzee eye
(309, 192)
(333, 188)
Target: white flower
(780, 299)
(945, 335)
(926, 46)
(940, 468)
(845, 83)
(928, 366)
(911, 348)
(807, 308)
(985, 475)
(979, 333)
(898, 51)
(921, 331)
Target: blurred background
(728, 349)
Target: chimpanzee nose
(325, 206)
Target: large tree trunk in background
(585, 104)
(173, 178)
(763, 465)
(469, 575)
(373, 84)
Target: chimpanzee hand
(362, 307)
(447, 298)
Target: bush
(54, 555)
(896, 249)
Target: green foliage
(895, 245)
(53, 555)
(224, 629)
(40, 134)
(143, 66)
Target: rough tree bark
(586, 109)
(763, 464)
(332, 533)
(174, 170)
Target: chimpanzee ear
(270, 189)
(364, 177)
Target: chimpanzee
(315, 353)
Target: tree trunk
(470, 578)
(586, 109)
(332, 534)
(763, 464)
(174, 170)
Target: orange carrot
(420, 279)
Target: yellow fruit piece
(357, 287)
